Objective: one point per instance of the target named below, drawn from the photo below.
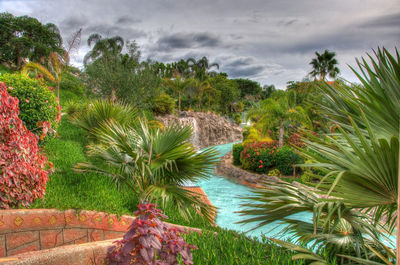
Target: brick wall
(28, 230)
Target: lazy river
(227, 197)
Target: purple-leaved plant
(150, 241)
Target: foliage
(237, 118)
(227, 93)
(113, 74)
(153, 163)
(178, 85)
(101, 111)
(25, 37)
(150, 241)
(37, 102)
(76, 108)
(274, 173)
(163, 104)
(279, 112)
(236, 151)
(361, 157)
(22, 168)
(335, 228)
(325, 64)
(261, 157)
(221, 247)
(201, 67)
(71, 82)
(248, 88)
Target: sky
(269, 41)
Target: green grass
(68, 189)
(221, 247)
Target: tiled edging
(38, 229)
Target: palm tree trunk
(179, 102)
(281, 132)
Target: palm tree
(103, 47)
(179, 86)
(361, 159)
(201, 67)
(154, 163)
(56, 63)
(200, 87)
(278, 111)
(325, 64)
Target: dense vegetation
(110, 153)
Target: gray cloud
(187, 40)
(269, 41)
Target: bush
(100, 111)
(237, 118)
(274, 173)
(70, 82)
(73, 108)
(150, 241)
(286, 159)
(23, 176)
(262, 156)
(37, 103)
(163, 104)
(236, 150)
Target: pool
(227, 197)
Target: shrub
(262, 156)
(37, 103)
(70, 82)
(237, 118)
(274, 173)
(163, 104)
(73, 108)
(150, 241)
(100, 111)
(285, 160)
(23, 176)
(236, 150)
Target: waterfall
(195, 139)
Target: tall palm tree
(201, 67)
(154, 163)
(279, 111)
(103, 47)
(178, 85)
(325, 64)
(200, 87)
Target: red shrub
(23, 176)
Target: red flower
(261, 161)
(258, 153)
(260, 166)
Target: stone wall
(209, 128)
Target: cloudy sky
(270, 41)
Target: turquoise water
(227, 197)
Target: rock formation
(208, 128)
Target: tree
(118, 75)
(56, 63)
(249, 88)
(178, 85)
(199, 88)
(154, 163)
(25, 37)
(325, 64)
(226, 94)
(201, 67)
(279, 111)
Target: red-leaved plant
(150, 241)
(23, 174)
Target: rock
(228, 170)
(209, 128)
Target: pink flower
(260, 166)
(258, 153)
(47, 101)
(27, 100)
(261, 161)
